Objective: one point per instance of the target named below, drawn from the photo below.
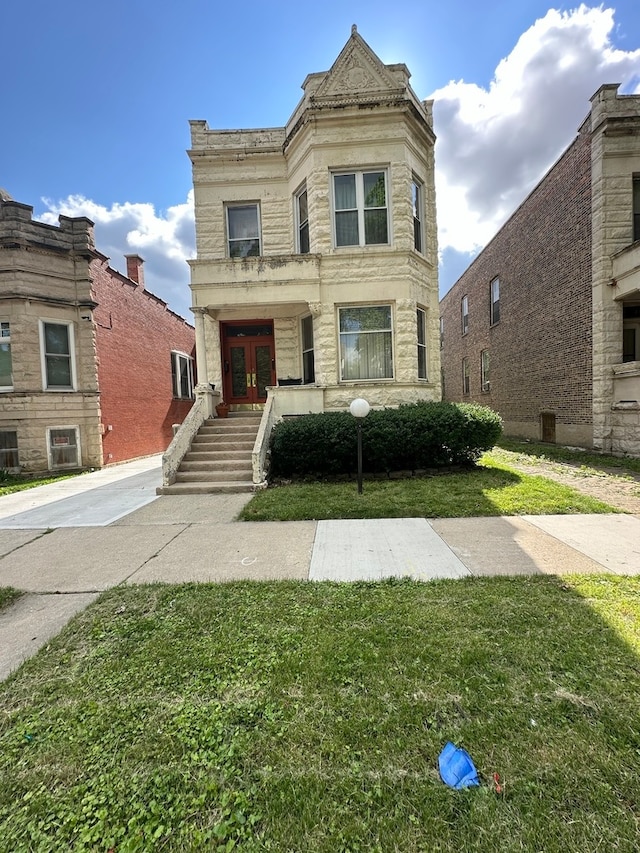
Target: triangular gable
(357, 72)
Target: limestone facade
(563, 356)
(85, 367)
(358, 148)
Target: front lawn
(492, 488)
(10, 484)
(309, 717)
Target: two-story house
(94, 369)
(315, 280)
(544, 326)
(316, 243)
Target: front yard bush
(413, 437)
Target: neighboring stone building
(316, 270)
(86, 353)
(544, 326)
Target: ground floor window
(366, 342)
(465, 376)
(64, 447)
(9, 449)
(422, 343)
(484, 369)
(182, 375)
(308, 358)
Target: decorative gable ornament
(356, 76)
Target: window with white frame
(63, 444)
(6, 368)
(366, 342)
(243, 230)
(9, 449)
(465, 376)
(182, 375)
(302, 221)
(421, 316)
(417, 204)
(57, 353)
(308, 357)
(484, 370)
(494, 311)
(360, 208)
(464, 311)
(631, 333)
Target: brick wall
(135, 335)
(541, 349)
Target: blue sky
(98, 95)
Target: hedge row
(412, 437)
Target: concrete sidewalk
(66, 544)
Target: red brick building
(94, 369)
(544, 326)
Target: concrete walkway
(66, 543)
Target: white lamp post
(359, 408)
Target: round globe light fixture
(359, 408)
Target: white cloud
(494, 145)
(164, 239)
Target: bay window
(366, 342)
(56, 348)
(6, 369)
(360, 208)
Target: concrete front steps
(219, 459)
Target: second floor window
(494, 311)
(636, 208)
(6, 370)
(416, 202)
(441, 332)
(464, 310)
(56, 340)
(302, 222)
(360, 204)
(243, 228)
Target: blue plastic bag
(456, 767)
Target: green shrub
(412, 437)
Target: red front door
(248, 361)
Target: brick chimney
(134, 269)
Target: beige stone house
(544, 326)
(315, 280)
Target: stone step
(213, 476)
(225, 438)
(215, 455)
(205, 488)
(238, 429)
(243, 464)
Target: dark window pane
(375, 226)
(308, 367)
(244, 248)
(56, 338)
(374, 190)
(6, 376)
(347, 228)
(370, 319)
(58, 371)
(304, 239)
(422, 362)
(345, 191)
(238, 372)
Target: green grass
(8, 595)
(10, 484)
(309, 717)
(531, 452)
(493, 488)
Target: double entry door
(248, 358)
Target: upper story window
(182, 375)
(417, 204)
(243, 229)
(6, 369)
(422, 343)
(631, 333)
(441, 332)
(494, 310)
(56, 348)
(366, 345)
(636, 208)
(302, 222)
(360, 208)
(464, 311)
